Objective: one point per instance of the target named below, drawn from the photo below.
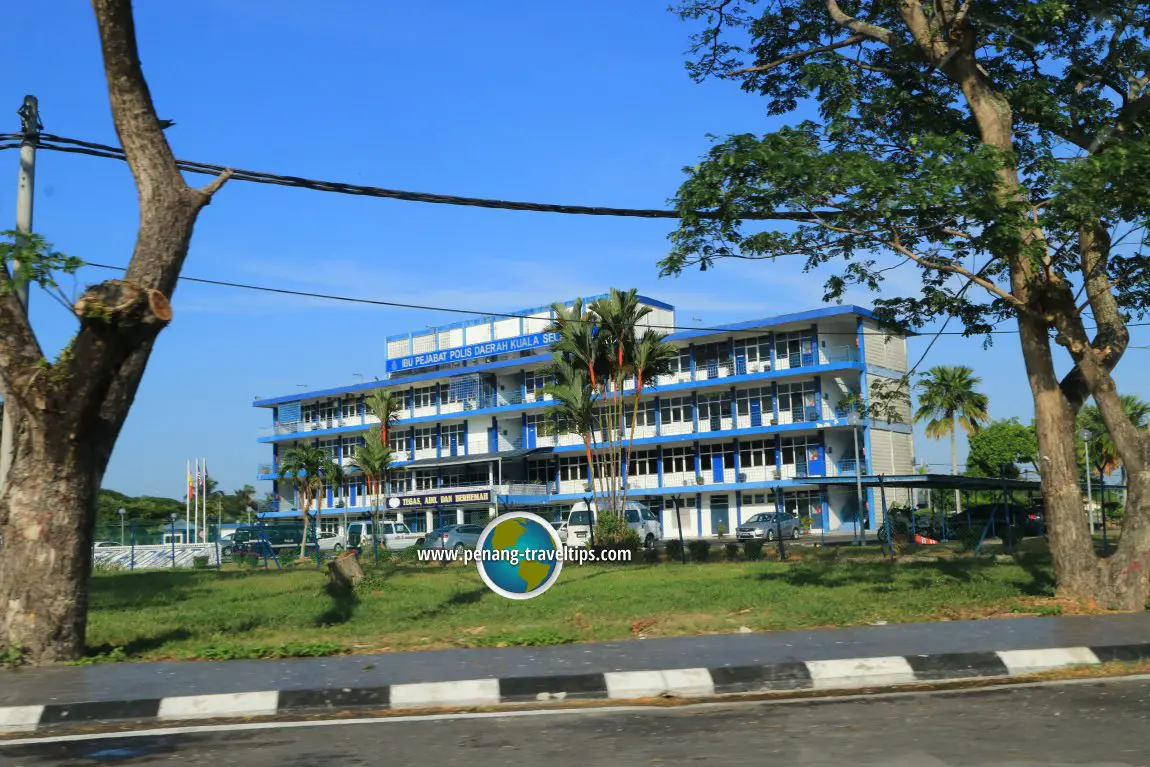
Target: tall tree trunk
(954, 461)
(71, 412)
(48, 516)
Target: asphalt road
(1103, 723)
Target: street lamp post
(122, 512)
(172, 536)
(853, 421)
(1086, 435)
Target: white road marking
(469, 692)
(860, 672)
(1030, 661)
(227, 704)
(622, 685)
(19, 718)
(589, 711)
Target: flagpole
(188, 492)
(204, 504)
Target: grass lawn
(252, 614)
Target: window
(425, 439)
(799, 399)
(328, 411)
(756, 349)
(758, 399)
(680, 363)
(454, 430)
(425, 397)
(708, 454)
(795, 451)
(350, 409)
(540, 421)
(534, 382)
(540, 472)
(678, 459)
(645, 416)
(714, 407)
(424, 480)
(804, 504)
(643, 463)
(399, 441)
(676, 410)
(572, 468)
(756, 453)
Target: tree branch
(926, 262)
(798, 55)
(872, 31)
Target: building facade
(749, 420)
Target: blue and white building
(749, 420)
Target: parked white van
(395, 535)
(645, 523)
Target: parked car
(1030, 520)
(453, 537)
(393, 535)
(280, 537)
(575, 528)
(104, 544)
(331, 542)
(765, 526)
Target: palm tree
(1103, 454)
(245, 497)
(617, 320)
(306, 466)
(386, 405)
(574, 407)
(373, 458)
(948, 399)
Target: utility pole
(30, 126)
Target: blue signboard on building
(472, 352)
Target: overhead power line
(508, 315)
(75, 146)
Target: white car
(395, 535)
(576, 525)
(331, 542)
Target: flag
(191, 485)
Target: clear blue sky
(560, 102)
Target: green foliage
(241, 614)
(1103, 454)
(731, 550)
(11, 657)
(948, 399)
(700, 550)
(1003, 443)
(753, 550)
(143, 508)
(39, 263)
(674, 550)
(600, 347)
(896, 165)
(651, 556)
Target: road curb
(813, 675)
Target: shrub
(199, 563)
(753, 550)
(732, 550)
(651, 556)
(700, 550)
(674, 549)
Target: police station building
(749, 419)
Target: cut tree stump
(345, 571)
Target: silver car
(453, 537)
(766, 527)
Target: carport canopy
(930, 481)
